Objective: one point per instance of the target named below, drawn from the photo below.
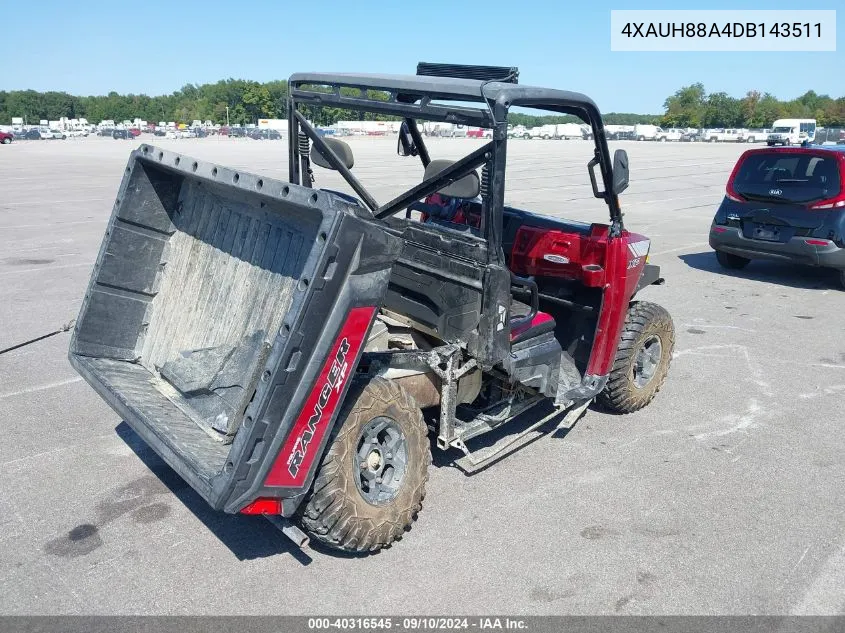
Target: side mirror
(620, 171)
(406, 145)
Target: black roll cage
(428, 98)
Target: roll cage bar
(428, 98)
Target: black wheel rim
(647, 361)
(381, 460)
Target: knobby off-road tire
(729, 260)
(642, 359)
(346, 509)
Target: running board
(473, 461)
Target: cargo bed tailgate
(213, 303)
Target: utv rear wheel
(642, 359)
(371, 482)
(729, 260)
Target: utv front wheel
(642, 359)
(371, 482)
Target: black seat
(542, 323)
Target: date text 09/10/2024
(416, 624)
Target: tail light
(263, 505)
(834, 203)
(730, 192)
(537, 250)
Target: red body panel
(624, 263)
(303, 443)
(595, 260)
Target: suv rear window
(788, 177)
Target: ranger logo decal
(333, 382)
(302, 445)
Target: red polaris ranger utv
(287, 349)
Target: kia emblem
(775, 192)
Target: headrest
(343, 151)
(467, 187)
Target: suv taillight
(730, 192)
(836, 204)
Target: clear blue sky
(156, 46)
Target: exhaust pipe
(289, 529)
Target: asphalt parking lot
(725, 496)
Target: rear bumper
(797, 250)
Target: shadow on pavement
(784, 274)
(247, 537)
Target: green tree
(722, 110)
(685, 108)
(257, 102)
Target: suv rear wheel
(729, 260)
(371, 481)
(842, 279)
(642, 359)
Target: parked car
(172, 134)
(723, 135)
(519, 131)
(453, 131)
(672, 134)
(159, 132)
(784, 204)
(621, 134)
(261, 135)
(58, 134)
(134, 132)
(121, 134)
(756, 136)
(6, 138)
(32, 134)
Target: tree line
(691, 106)
(246, 101)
